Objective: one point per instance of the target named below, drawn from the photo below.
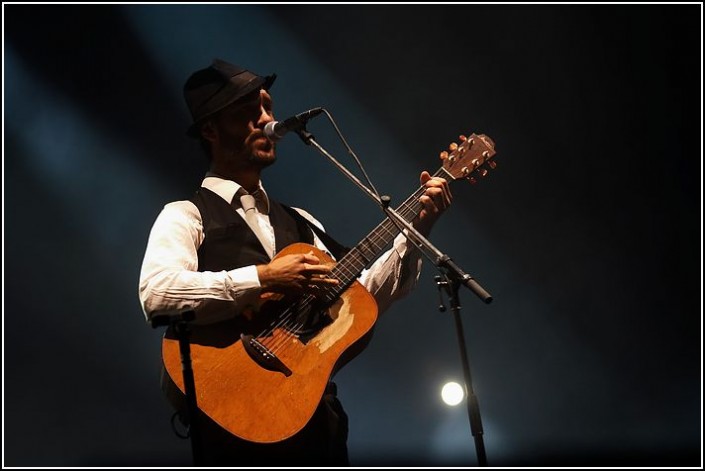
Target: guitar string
(405, 209)
(339, 269)
(359, 261)
(331, 293)
(328, 294)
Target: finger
(441, 183)
(447, 195)
(428, 203)
(312, 270)
(318, 283)
(436, 193)
(436, 181)
(439, 199)
(309, 258)
(425, 176)
(323, 280)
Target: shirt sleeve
(170, 281)
(392, 276)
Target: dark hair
(206, 148)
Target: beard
(261, 151)
(262, 159)
(255, 150)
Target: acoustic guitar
(262, 376)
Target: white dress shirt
(170, 281)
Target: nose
(265, 115)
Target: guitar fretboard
(375, 243)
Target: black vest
(230, 243)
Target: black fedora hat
(209, 90)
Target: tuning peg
(463, 138)
(492, 164)
(444, 155)
(453, 146)
(472, 180)
(484, 172)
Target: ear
(208, 131)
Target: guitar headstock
(469, 159)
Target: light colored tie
(249, 205)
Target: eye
(252, 108)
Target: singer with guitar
(278, 303)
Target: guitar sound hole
(310, 318)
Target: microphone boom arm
(427, 248)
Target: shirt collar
(227, 189)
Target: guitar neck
(374, 244)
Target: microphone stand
(180, 323)
(452, 286)
(452, 278)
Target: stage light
(452, 393)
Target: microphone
(275, 130)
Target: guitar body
(258, 402)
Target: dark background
(588, 233)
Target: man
(216, 255)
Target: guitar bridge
(263, 356)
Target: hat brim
(260, 82)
